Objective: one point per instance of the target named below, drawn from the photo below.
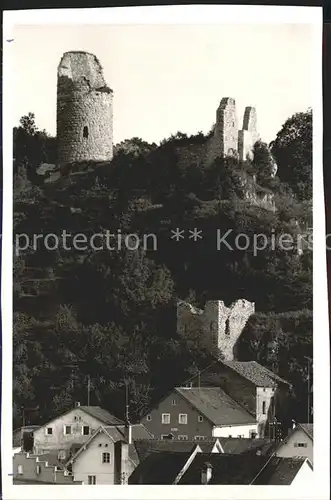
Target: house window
(67, 430)
(182, 418)
(167, 437)
(149, 418)
(165, 418)
(91, 480)
(200, 418)
(300, 445)
(263, 408)
(20, 469)
(174, 402)
(106, 445)
(49, 431)
(61, 455)
(199, 438)
(38, 469)
(106, 458)
(85, 132)
(86, 430)
(182, 437)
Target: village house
(299, 443)
(199, 413)
(108, 456)
(66, 433)
(260, 391)
(194, 467)
(229, 446)
(40, 469)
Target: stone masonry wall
(248, 136)
(224, 142)
(217, 327)
(84, 110)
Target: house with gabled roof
(71, 428)
(298, 443)
(108, 456)
(199, 413)
(145, 447)
(194, 468)
(260, 391)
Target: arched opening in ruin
(85, 132)
(227, 327)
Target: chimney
(121, 462)
(206, 473)
(293, 424)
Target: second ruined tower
(84, 110)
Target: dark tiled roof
(243, 469)
(216, 405)
(309, 429)
(280, 471)
(139, 431)
(145, 447)
(114, 432)
(255, 373)
(159, 468)
(226, 469)
(236, 446)
(102, 415)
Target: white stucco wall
(235, 431)
(304, 476)
(89, 462)
(58, 440)
(288, 448)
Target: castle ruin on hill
(84, 110)
(218, 327)
(227, 139)
(85, 116)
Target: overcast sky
(171, 78)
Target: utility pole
(126, 402)
(88, 390)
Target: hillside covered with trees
(111, 315)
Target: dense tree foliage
(293, 151)
(109, 312)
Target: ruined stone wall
(84, 110)
(217, 327)
(224, 141)
(248, 136)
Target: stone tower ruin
(225, 138)
(84, 110)
(217, 327)
(248, 136)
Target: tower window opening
(227, 327)
(85, 132)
